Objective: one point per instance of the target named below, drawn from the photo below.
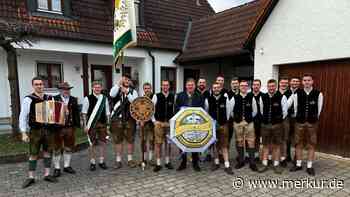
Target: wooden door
(333, 79)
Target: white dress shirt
(131, 97)
(24, 115)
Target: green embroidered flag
(124, 27)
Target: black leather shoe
(289, 159)
(208, 158)
(221, 159)
(92, 167)
(284, 164)
(215, 167)
(196, 168)
(169, 166)
(28, 182)
(157, 168)
(103, 166)
(50, 179)
(57, 173)
(118, 165)
(253, 167)
(295, 168)
(181, 167)
(229, 171)
(239, 165)
(69, 170)
(310, 171)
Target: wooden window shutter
(32, 5)
(67, 7)
(142, 13)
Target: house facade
(74, 43)
(312, 37)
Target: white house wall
(4, 86)
(302, 31)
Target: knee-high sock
(251, 153)
(240, 151)
(67, 156)
(56, 158)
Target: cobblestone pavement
(135, 182)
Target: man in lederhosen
(283, 89)
(148, 128)
(164, 111)
(123, 125)
(308, 103)
(95, 120)
(274, 108)
(40, 135)
(202, 89)
(294, 86)
(219, 110)
(256, 90)
(65, 135)
(244, 109)
(190, 98)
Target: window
(51, 73)
(138, 12)
(169, 74)
(50, 6)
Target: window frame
(173, 88)
(50, 82)
(49, 7)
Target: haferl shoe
(295, 168)
(103, 166)
(277, 169)
(239, 165)
(50, 179)
(118, 165)
(181, 167)
(229, 171)
(157, 168)
(57, 173)
(253, 167)
(310, 171)
(196, 168)
(215, 167)
(92, 167)
(69, 170)
(283, 163)
(263, 169)
(169, 166)
(289, 159)
(28, 182)
(221, 158)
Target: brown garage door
(333, 79)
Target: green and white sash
(96, 112)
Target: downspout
(153, 68)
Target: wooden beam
(85, 76)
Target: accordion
(51, 112)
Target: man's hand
(25, 137)
(86, 130)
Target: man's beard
(201, 88)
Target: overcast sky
(220, 5)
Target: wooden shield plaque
(142, 109)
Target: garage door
(333, 79)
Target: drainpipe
(153, 69)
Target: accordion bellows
(50, 112)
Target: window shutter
(67, 7)
(32, 5)
(142, 13)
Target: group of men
(273, 122)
